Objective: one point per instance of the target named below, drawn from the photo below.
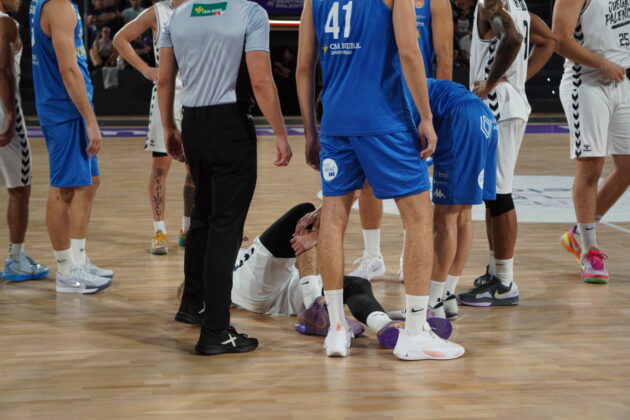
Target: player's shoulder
(9, 26)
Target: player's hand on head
(95, 139)
(174, 145)
(428, 138)
(284, 152)
(613, 71)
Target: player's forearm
(166, 99)
(415, 76)
(444, 69)
(305, 78)
(568, 47)
(539, 57)
(126, 51)
(508, 49)
(267, 98)
(7, 90)
(75, 86)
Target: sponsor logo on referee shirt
(214, 9)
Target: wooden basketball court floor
(561, 354)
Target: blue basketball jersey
(425, 35)
(53, 103)
(445, 95)
(363, 84)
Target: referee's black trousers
(220, 146)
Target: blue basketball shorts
(70, 165)
(391, 163)
(465, 162)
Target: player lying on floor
(277, 275)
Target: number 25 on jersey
(332, 22)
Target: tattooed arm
(494, 21)
(544, 43)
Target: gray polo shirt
(208, 39)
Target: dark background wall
(133, 93)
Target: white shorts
(155, 137)
(15, 157)
(598, 117)
(265, 284)
(511, 134)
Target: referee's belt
(214, 110)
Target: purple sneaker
(441, 327)
(388, 335)
(315, 320)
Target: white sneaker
(96, 271)
(426, 346)
(369, 267)
(337, 342)
(451, 309)
(437, 311)
(78, 281)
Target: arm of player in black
(544, 45)
(492, 15)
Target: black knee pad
(301, 210)
(501, 205)
(357, 285)
(159, 154)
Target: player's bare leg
(464, 245)
(615, 185)
(160, 166)
(334, 219)
(371, 263)
(17, 213)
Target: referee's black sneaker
(224, 341)
(491, 293)
(189, 313)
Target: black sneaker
(484, 278)
(190, 314)
(226, 341)
(491, 293)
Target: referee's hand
(173, 138)
(284, 151)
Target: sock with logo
(159, 226)
(492, 265)
(372, 242)
(505, 271)
(416, 313)
(588, 234)
(78, 251)
(377, 320)
(435, 293)
(65, 261)
(15, 251)
(334, 303)
(311, 289)
(451, 284)
(185, 224)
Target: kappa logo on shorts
(329, 169)
(480, 178)
(439, 194)
(486, 126)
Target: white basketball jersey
(17, 57)
(508, 100)
(603, 28)
(163, 13)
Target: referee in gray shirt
(205, 41)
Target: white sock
(505, 271)
(159, 226)
(492, 264)
(15, 251)
(588, 234)
(78, 251)
(65, 261)
(451, 285)
(435, 292)
(311, 290)
(185, 224)
(416, 313)
(376, 321)
(372, 242)
(334, 303)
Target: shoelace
(364, 263)
(483, 279)
(597, 257)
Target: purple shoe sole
(441, 327)
(388, 336)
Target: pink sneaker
(593, 270)
(572, 244)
